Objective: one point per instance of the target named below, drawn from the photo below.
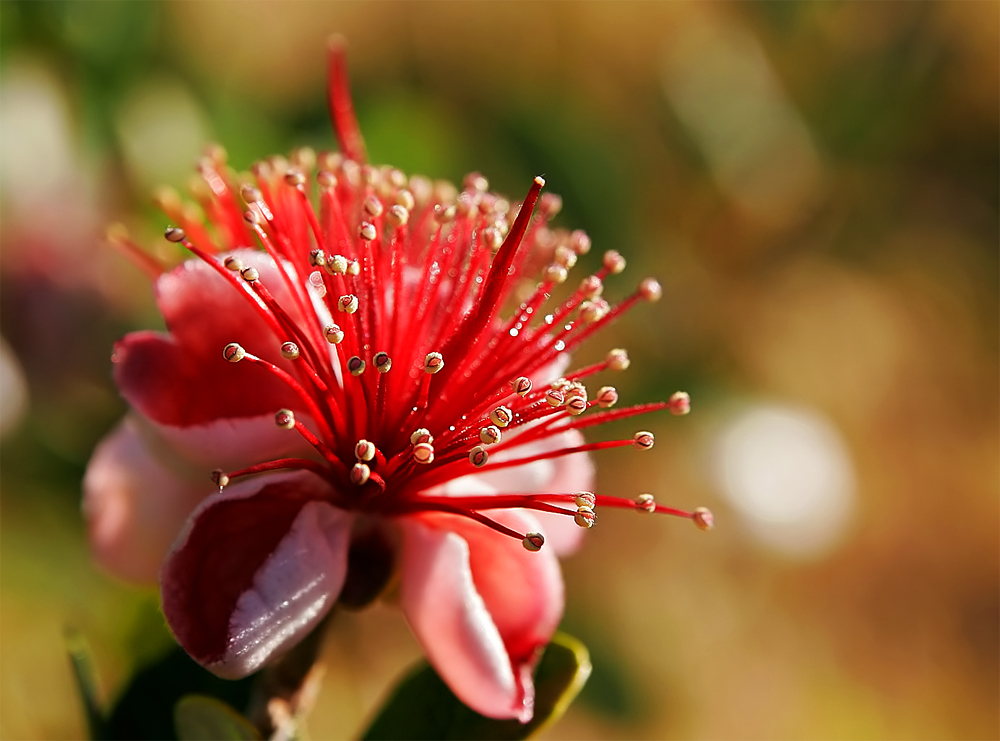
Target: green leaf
(203, 718)
(422, 706)
(85, 675)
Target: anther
(607, 396)
(336, 265)
(423, 453)
(617, 359)
(250, 274)
(490, 435)
(593, 310)
(576, 405)
(478, 456)
(233, 352)
(289, 350)
(591, 287)
(250, 194)
(555, 273)
(533, 541)
(326, 179)
(355, 365)
(397, 216)
(680, 403)
(404, 199)
(174, 234)
(579, 242)
(233, 263)
(294, 178)
(348, 303)
(585, 499)
(373, 207)
(650, 289)
(382, 362)
(613, 262)
(285, 418)
(219, 478)
(353, 268)
(585, 517)
(703, 519)
(364, 450)
(317, 258)
(501, 416)
(521, 385)
(550, 204)
(444, 214)
(433, 362)
(360, 473)
(367, 231)
(555, 398)
(643, 440)
(334, 334)
(492, 239)
(645, 503)
(565, 256)
(251, 216)
(421, 435)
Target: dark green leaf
(203, 718)
(422, 706)
(146, 708)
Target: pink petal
(481, 606)
(258, 567)
(181, 378)
(135, 505)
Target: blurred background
(815, 184)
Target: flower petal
(181, 378)
(258, 567)
(135, 504)
(482, 607)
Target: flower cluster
(383, 406)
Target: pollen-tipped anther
(555, 397)
(607, 396)
(533, 541)
(220, 478)
(317, 258)
(585, 517)
(591, 287)
(576, 405)
(433, 362)
(360, 473)
(397, 216)
(285, 418)
(650, 289)
(334, 334)
(336, 265)
(645, 503)
(703, 519)
(555, 273)
(295, 178)
(354, 267)
(382, 362)
(521, 385)
(423, 453)
(367, 231)
(617, 359)
(289, 350)
(680, 403)
(250, 274)
(348, 303)
(234, 352)
(364, 450)
(421, 435)
(613, 262)
(490, 435)
(585, 499)
(174, 234)
(478, 456)
(355, 365)
(501, 416)
(643, 440)
(233, 263)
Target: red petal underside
(228, 541)
(181, 379)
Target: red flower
(381, 414)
